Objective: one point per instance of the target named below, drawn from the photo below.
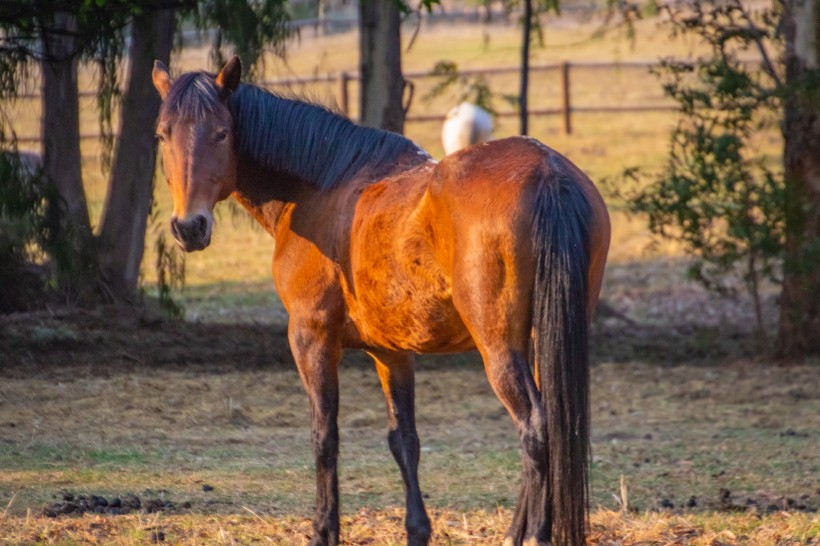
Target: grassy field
(99, 405)
(712, 445)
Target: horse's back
(489, 188)
(510, 165)
(500, 179)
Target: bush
(717, 195)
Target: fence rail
(566, 109)
(343, 80)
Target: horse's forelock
(192, 95)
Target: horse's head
(195, 130)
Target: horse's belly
(400, 314)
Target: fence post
(566, 107)
(344, 103)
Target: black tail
(560, 350)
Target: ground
(708, 445)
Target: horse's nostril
(201, 224)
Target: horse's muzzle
(192, 234)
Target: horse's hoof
(534, 542)
(509, 542)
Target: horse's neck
(265, 195)
(307, 142)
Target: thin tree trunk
(754, 288)
(523, 108)
(800, 301)
(382, 83)
(488, 11)
(60, 122)
(130, 187)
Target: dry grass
(384, 528)
(111, 426)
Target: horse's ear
(228, 78)
(162, 78)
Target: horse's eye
(161, 137)
(221, 136)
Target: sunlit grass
(385, 529)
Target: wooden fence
(564, 69)
(566, 109)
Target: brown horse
(500, 247)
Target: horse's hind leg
(397, 377)
(492, 293)
(513, 383)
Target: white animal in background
(464, 125)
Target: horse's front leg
(396, 372)
(317, 353)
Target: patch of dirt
(766, 502)
(650, 311)
(112, 339)
(129, 503)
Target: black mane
(292, 136)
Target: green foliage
(29, 230)
(474, 89)
(249, 26)
(716, 195)
(169, 266)
(98, 38)
(426, 5)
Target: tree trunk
(382, 84)
(799, 303)
(61, 119)
(75, 260)
(130, 187)
(523, 108)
